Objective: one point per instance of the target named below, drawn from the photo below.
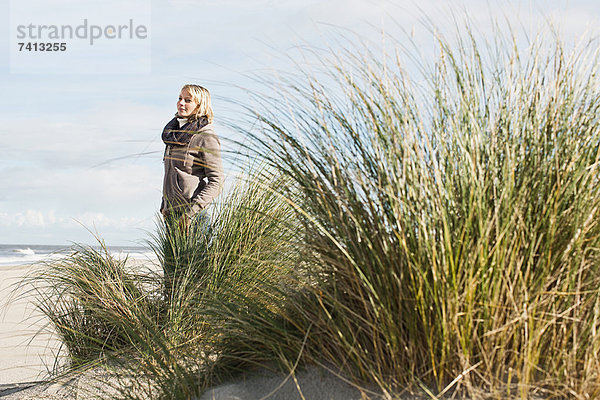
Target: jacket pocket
(186, 183)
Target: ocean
(13, 254)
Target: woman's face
(186, 104)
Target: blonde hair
(201, 96)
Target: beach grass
(452, 216)
(161, 335)
(434, 234)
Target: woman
(192, 159)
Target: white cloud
(48, 227)
(28, 218)
(48, 219)
(33, 218)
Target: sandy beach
(28, 349)
(25, 354)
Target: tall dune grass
(155, 333)
(453, 221)
(435, 235)
(90, 298)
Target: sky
(80, 130)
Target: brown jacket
(193, 169)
